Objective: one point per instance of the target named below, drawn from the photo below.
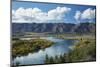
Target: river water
(60, 47)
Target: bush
(85, 50)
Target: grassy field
(23, 47)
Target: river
(59, 47)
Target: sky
(29, 12)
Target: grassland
(23, 47)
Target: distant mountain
(53, 27)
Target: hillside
(82, 28)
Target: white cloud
(77, 15)
(86, 14)
(37, 15)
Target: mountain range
(82, 28)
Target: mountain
(53, 27)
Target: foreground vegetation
(23, 47)
(84, 50)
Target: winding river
(60, 47)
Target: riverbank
(84, 50)
(76, 37)
(59, 47)
(23, 47)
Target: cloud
(38, 16)
(88, 14)
(77, 15)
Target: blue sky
(68, 17)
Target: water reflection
(60, 47)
